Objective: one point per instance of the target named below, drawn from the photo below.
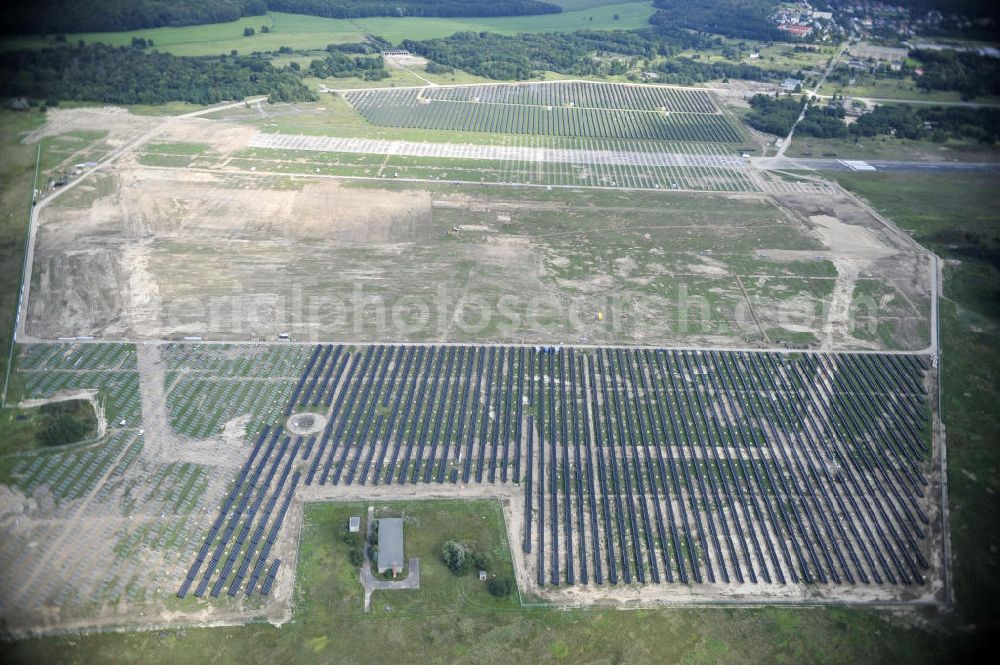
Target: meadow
(302, 32)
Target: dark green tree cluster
(685, 71)
(774, 114)
(518, 57)
(123, 75)
(66, 422)
(825, 122)
(62, 16)
(967, 72)
(361, 8)
(740, 19)
(340, 65)
(500, 586)
(937, 123)
(58, 16)
(457, 557)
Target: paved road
(831, 164)
(815, 90)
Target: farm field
(302, 32)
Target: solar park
(641, 464)
(645, 466)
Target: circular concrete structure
(304, 424)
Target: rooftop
(390, 544)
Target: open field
(406, 261)
(302, 32)
(773, 259)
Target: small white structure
(482, 575)
(354, 525)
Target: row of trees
(740, 19)
(776, 115)
(124, 75)
(518, 57)
(361, 8)
(967, 72)
(61, 16)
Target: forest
(519, 57)
(966, 72)
(129, 75)
(776, 115)
(71, 16)
(739, 19)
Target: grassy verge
(47, 426)
(328, 587)
(17, 170)
(956, 216)
(891, 148)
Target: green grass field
(956, 216)
(310, 32)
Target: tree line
(776, 115)
(124, 75)
(739, 19)
(70, 16)
(966, 72)
(520, 57)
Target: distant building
(354, 525)
(390, 544)
(791, 84)
(794, 29)
(826, 16)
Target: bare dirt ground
(146, 252)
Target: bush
(500, 586)
(357, 556)
(456, 556)
(481, 561)
(248, 32)
(64, 428)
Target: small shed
(390, 544)
(354, 525)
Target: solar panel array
(593, 110)
(637, 465)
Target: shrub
(456, 556)
(248, 32)
(500, 586)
